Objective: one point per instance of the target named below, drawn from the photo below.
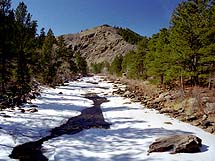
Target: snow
(133, 128)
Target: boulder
(211, 129)
(168, 123)
(168, 110)
(191, 118)
(191, 103)
(119, 91)
(204, 117)
(5, 115)
(207, 123)
(205, 99)
(31, 96)
(4, 105)
(136, 99)
(32, 110)
(22, 110)
(115, 86)
(126, 94)
(177, 144)
(210, 108)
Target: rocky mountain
(98, 44)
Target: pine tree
(41, 38)
(133, 62)
(72, 62)
(25, 39)
(129, 64)
(158, 58)
(142, 49)
(129, 36)
(116, 65)
(49, 58)
(207, 59)
(81, 64)
(65, 61)
(7, 23)
(186, 24)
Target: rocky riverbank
(193, 105)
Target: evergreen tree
(49, 58)
(72, 62)
(100, 67)
(129, 64)
(7, 23)
(65, 61)
(116, 65)
(96, 67)
(207, 59)
(81, 64)
(128, 35)
(25, 39)
(186, 24)
(158, 58)
(41, 38)
(38, 56)
(133, 62)
(142, 49)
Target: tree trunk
(3, 72)
(209, 82)
(196, 80)
(161, 79)
(181, 82)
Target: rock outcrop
(98, 44)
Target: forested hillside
(183, 54)
(27, 58)
(129, 35)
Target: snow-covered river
(133, 128)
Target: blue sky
(145, 17)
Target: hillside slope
(98, 44)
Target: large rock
(126, 94)
(210, 108)
(176, 144)
(191, 103)
(32, 110)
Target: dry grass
(142, 87)
(146, 88)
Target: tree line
(27, 57)
(183, 54)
